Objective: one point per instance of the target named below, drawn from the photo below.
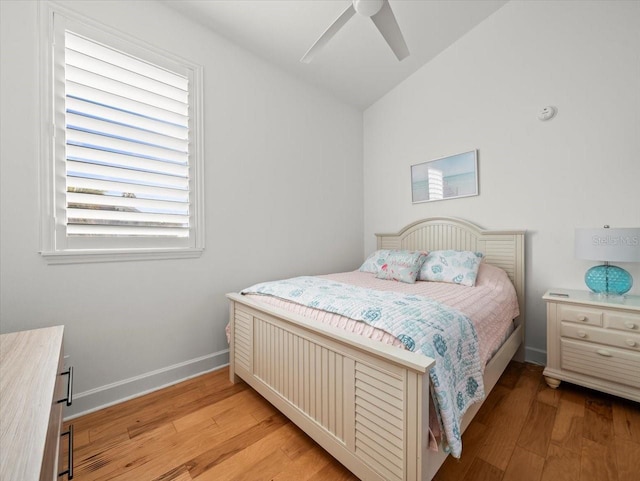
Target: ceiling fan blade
(386, 22)
(329, 33)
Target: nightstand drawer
(624, 321)
(593, 334)
(582, 315)
(609, 363)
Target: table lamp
(608, 245)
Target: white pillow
(455, 267)
(375, 261)
(402, 266)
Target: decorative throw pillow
(456, 267)
(402, 266)
(375, 261)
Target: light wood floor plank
(536, 432)
(511, 375)
(567, 428)
(179, 410)
(160, 457)
(628, 458)
(547, 395)
(306, 465)
(561, 464)
(503, 433)
(491, 406)
(181, 473)
(298, 445)
(482, 471)
(243, 462)
(141, 459)
(239, 443)
(598, 420)
(598, 462)
(626, 420)
(128, 455)
(456, 469)
(524, 465)
(333, 472)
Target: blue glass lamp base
(608, 280)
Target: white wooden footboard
(366, 404)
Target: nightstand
(593, 341)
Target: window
(122, 164)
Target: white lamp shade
(608, 245)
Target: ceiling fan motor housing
(367, 8)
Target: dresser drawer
(579, 314)
(625, 340)
(623, 321)
(52, 443)
(609, 363)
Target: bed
(321, 376)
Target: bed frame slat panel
(384, 448)
(378, 460)
(309, 383)
(390, 424)
(242, 337)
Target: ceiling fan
(382, 16)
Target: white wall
(581, 169)
(283, 193)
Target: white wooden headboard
(504, 249)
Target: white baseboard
(117, 392)
(536, 356)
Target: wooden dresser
(33, 390)
(593, 341)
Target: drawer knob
(630, 325)
(582, 318)
(604, 352)
(631, 342)
(582, 334)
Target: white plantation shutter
(126, 157)
(127, 144)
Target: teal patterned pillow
(402, 266)
(375, 261)
(456, 267)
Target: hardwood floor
(208, 429)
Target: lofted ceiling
(356, 66)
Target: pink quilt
(491, 305)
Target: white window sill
(86, 256)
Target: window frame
(55, 246)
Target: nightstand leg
(552, 382)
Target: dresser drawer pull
(582, 318)
(69, 398)
(582, 334)
(631, 342)
(630, 325)
(604, 353)
(69, 470)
